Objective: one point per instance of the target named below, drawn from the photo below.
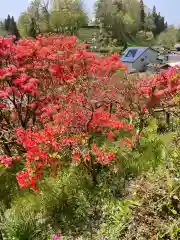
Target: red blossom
(76, 156)
(58, 96)
(3, 94)
(5, 160)
(127, 141)
(2, 105)
(145, 109)
(87, 157)
(23, 179)
(110, 135)
(94, 149)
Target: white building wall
(173, 58)
(149, 56)
(129, 66)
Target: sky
(168, 8)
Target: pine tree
(143, 15)
(156, 22)
(154, 13)
(7, 22)
(159, 23)
(13, 30)
(11, 27)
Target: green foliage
(149, 24)
(160, 24)
(32, 29)
(118, 16)
(178, 35)
(60, 16)
(137, 195)
(144, 37)
(25, 221)
(115, 217)
(8, 185)
(72, 204)
(168, 38)
(64, 203)
(10, 26)
(23, 24)
(3, 31)
(143, 15)
(129, 16)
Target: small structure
(172, 57)
(171, 64)
(136, 58)
(177, 47)
(154, 68)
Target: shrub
(43, 79)
(69, 114)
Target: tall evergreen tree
(155, 17)
(143, 15)
(13, 28)
(162, 25)
(159, 23)
(7, 22)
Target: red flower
(23, 179)
(76, 156)
(5, 160)
(87, 156)
(110, 156)
(3, 94)
(127, 141)
(94, 149)
(145, 109)
(2, 105)
(110, 135)
(58, 94)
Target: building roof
(131, 54)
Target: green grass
(87, 34)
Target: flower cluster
(57, 95)
(7, 161)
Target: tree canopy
(10, 27)
(168, 38)
(123, 19)
(56, 16)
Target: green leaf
(167, 138)
(152, 126)
(170, 182)
(174, 211)
(143, 141)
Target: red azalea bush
(54, 95)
